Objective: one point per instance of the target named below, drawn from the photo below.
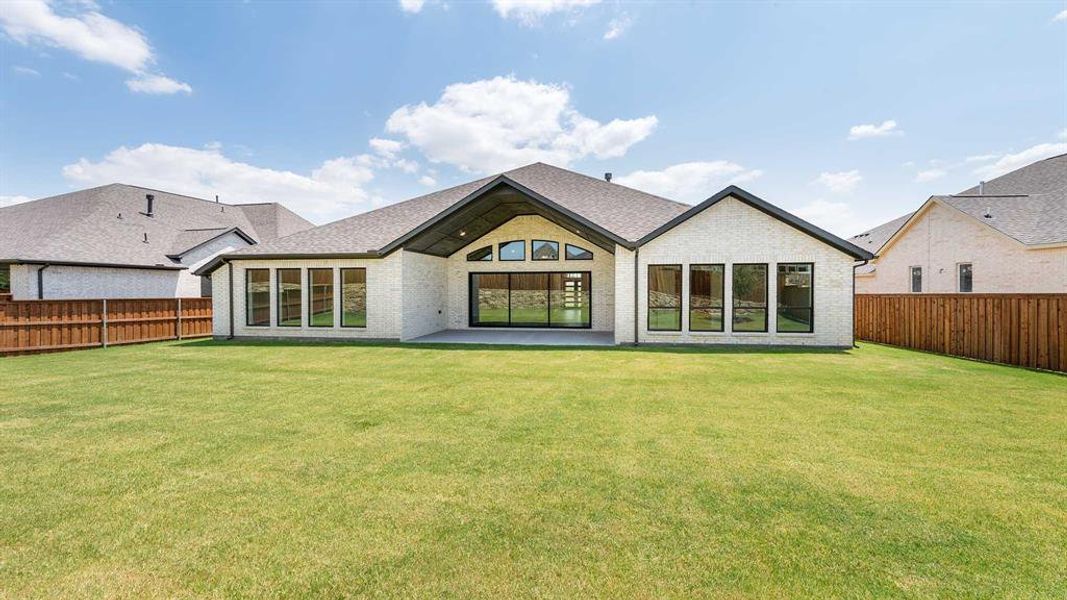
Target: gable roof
(1028, 204)
(617, 212)
(107, 226)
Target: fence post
(103, 325)
(179, 329)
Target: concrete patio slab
(518, 337)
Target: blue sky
(847, 114)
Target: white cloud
(83, 30)
(386, 148)
(411, 6)
(335, 189)
(26, 71)
(531, 12)
(9, 200)
(1062, 134)
(157, 84)
(617, 27)
(1010, 162)
(1060, 16)
(870, 130)
(929, 175)
(691, 181)
(836, 217)
(496, 124)
(841, 182)
(427, 181)
(980, 158)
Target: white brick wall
(424, 295)
(733, 232)
(942, 237)
(189, 284)
(527, 228)
(384, 304)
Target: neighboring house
(124, 241)
(545, 248)
(1003, 236)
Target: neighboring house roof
(107, 226)
(618, 212)
(1028, 205)
(272, 220)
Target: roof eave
(74, 263)
(213, 264)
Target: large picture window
(531, 299)
(354, 297)
(257, 297)
(320, 302)
(706, 289)
(750, 297)
(665, 297)
(796, 298)
(289, 297)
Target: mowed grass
(299, 470)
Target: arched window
(481, 254)
(577, 253)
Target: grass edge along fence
(30, 326)
(1027, 330)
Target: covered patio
(518, 337)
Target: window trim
(341, 313)
(722, 295)
(533, 256)
(648, 297)
(278, 294)
(470, 298)
(811, 325)
(911, 280)
(247, 311)
(959, 277)
(766, 298)
(500, 255)
(583, 249)
(311, 301)
(489, 248)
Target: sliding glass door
(530, 299)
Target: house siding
(527, 228)
(424, 295)
(732, 232)
(942, 237)
(384, 299)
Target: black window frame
(778, 299)
(500, 254)
(248, 312)
(533, 255)
(648, 297)
(311, 299)
(722, 296)
(970, 278)
(489, 257)
(911, 280)
(766, 299)
(278, 296)
(471, 299)
(567, 256)
(5, 280)
(341, 283)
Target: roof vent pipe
(151, 199)
(216, 198)
(146, 237)
(607, 177)
(988, 214)
(981, 188)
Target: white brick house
(546, 249)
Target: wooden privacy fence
(1028, 330)
(28, 326)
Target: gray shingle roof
(624, 211)
(84, 226)
(1028, 204)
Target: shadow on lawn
(647, 348)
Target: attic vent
(150, 201)
(987, 214)
(607, 177)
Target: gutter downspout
(853, 323)
(40, 281)
(637, 256)
(229, 280)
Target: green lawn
(272, 469)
